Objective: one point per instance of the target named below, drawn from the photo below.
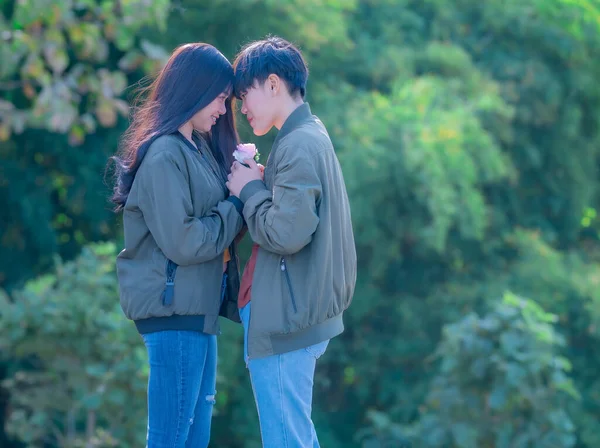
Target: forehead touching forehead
(228, 90)
(273, 55)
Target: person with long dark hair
(178, 271)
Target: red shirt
(246, 283)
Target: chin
(260, 132)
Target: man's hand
(240, 176)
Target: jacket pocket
(288, 281)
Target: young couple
(186, 204)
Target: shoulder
(165, 148)
(307, 140)
(165, 153)
(164, 145)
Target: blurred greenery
(501, 382)
(469, 135)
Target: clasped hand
(241, 175)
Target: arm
(284, 221)
(166, 204)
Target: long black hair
(192, 78)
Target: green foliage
(80, 369)
(57, 69)
(426, 143)
(469, 136)
(501, 383)
(567, 285)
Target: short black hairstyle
(272, 55)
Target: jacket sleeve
(285, 220)
(166, 204)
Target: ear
(273, 84)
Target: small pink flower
(245, 151)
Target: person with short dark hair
(302, 272)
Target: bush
(501, 382)
(79, 370)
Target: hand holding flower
(242, 175)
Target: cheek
(200, 117)
(253, 103)
(199, 121)
(258, 108)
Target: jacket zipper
(289, 283)
(167, 295)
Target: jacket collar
(296, 118)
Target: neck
(289, 106)
(186, 130)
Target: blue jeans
(283, 388)
(181, 388)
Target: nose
(244, 109)
(222, 109)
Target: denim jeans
(181, 388)
(283, 390)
